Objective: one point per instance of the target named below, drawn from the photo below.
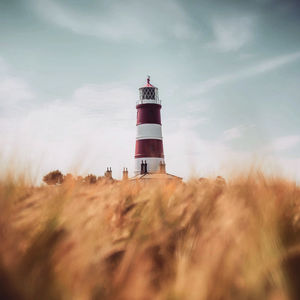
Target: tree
(54, 177)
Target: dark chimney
(108, 173)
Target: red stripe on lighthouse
(148, 113)
(149, 148)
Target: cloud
(68, 135)
(110, 101)
(93, 129)
(289, 168)
(13, 90)
(118, 21)
(187, 154)
(260, 68)
(231, 34)
(285, 143)
(232, 133)
(235, 132)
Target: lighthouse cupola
(149, 141)
(148, 94)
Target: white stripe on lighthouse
(148, 131)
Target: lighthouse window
(148, 93)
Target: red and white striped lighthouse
(149, 153)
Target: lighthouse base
(153, 164)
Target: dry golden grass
(199, 240)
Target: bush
(54, 177)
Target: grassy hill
(199, 240)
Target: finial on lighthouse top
(148, 82)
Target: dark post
(142, 167)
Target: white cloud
(231, 34)
(131, 20)
(108, 100)
(260, 68)
(232, 133)
(285, 143)
(187, 154)
(95, 128)
(235, 132)
(13, 90)
(70, 136)
(92, 130)
(289, 168)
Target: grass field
(198, 240)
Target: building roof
(155, 176)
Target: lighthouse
(149, 153)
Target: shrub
(54, 177)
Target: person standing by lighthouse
(149, 153)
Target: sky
(228, 74)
